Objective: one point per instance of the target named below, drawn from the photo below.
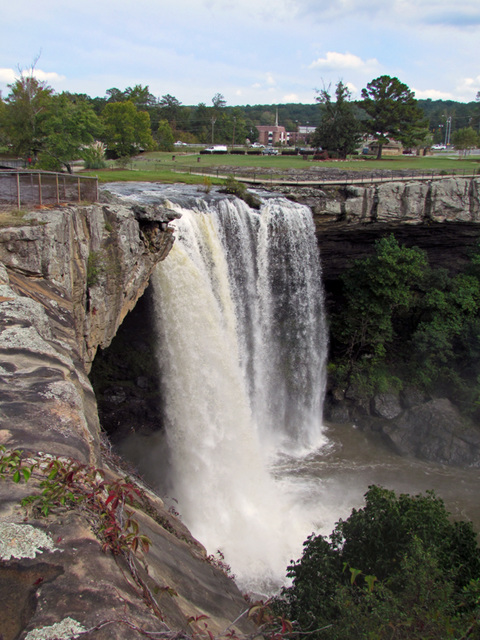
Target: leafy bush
(240, 190)
(94, 156)
(397, 568)
(401, 321)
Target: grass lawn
(160, 166)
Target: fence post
(39, 189)
(78, 186)
(56, 186)
(18, 191)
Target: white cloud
(291, 97)
(433, 94)
(46, 76)
(341, 61)
(7, 76)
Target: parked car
(270, 151)
(438, 147)
(216, 148)
(257, 145)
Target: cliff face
(66, 283)
(440, 216)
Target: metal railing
(46, 187)
(257, 176)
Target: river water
(242, 347)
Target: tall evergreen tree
(339, 130)
(394, 112)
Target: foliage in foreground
(397, 568)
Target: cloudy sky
(251, 51)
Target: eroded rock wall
(67, 280)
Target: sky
(250, 51)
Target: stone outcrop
(66, 283)
(440, 216)
(430, 429)
(443, 218)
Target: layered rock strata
(68, 277)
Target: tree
(26, 110)
(140, 96)
(379, 291)
(394, 112)
(465, 139)
(165, 137)
(219, 103)
(339, 130)
(127, 130)
(169, 108)
(70, 124)
(397, 568)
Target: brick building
(272, 134)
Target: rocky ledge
(91, 553)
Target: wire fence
(46, 187)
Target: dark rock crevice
(126, 378)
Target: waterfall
(242, 352)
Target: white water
(223, 431)
(242, 352)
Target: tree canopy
(396, 568)
(25, 115)
(393, 111)
(126, 129)
(71, 125)
(403, 322)
(339, 130)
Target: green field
(161, 167)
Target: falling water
(242, 351)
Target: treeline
(52, 129)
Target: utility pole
(214, 119)
(448, 130)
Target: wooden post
(40, 189)
(56, 185)
(79, 192)
(18, 191)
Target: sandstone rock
(54, 314)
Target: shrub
(94, 156)
(397, 568)
(94, 268)
(240, 190)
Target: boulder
(435, 431)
